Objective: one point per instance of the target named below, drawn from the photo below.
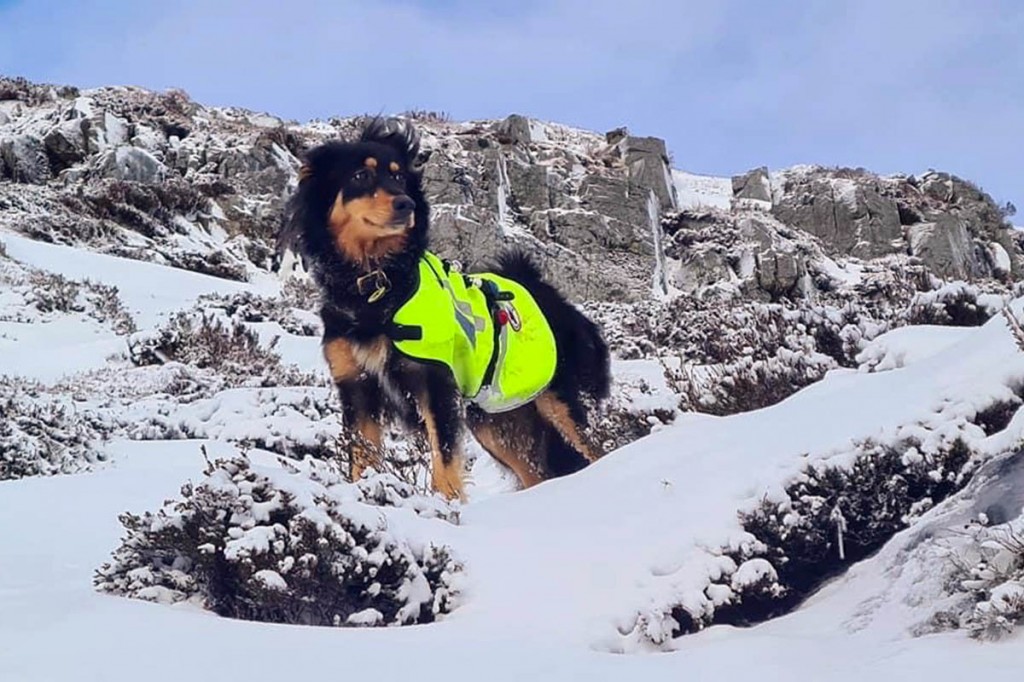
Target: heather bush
(294, 545)
(42, 434)
(207, 341)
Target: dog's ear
(398, 134)
(305, 172)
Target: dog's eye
(361, 177)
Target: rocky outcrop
(749, 254)
(578, 202)
(847, 211)
(752, 187)
(157, 176)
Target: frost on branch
(293, 545)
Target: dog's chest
(347, 359)
(373, 357)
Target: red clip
(503, 317)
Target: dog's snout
(403, 205)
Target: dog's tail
(590, 360)
(516, 264)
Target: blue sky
(893, 86)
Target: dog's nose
(403, 205)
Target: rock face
(848, 212)
(157, 176)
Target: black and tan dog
(361, 222)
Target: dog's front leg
(361, 405)
(361, 408)
(438, 403)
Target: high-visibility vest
(487, 329)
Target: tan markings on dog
(373, 356)
(445, 478)
(518, 459)
(367, 451)
(341, 359)
(305, 172)
(362, 228)
(556, 413)
(393, 166)
(348, 360)
(370, 162)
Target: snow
(271, 579)
(558, 578)
(701, 191)
(1001, 257)
(538, 131)
(907, 345)
(660, 286)
(52, 350)
(150, 291)
(506, 221)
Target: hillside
(814, 427)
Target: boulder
(946, 247)
(700, 269)
(779, 272)
(753, 186)
(514, 129)
(132, 164)
(65, 144)
(529, 185)
(648, 164)
(24, 159)
(615, 136)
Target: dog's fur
(360, 209)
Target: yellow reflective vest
(487, 329)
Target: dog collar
(373, 285)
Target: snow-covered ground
(701, 191)
(556, 577)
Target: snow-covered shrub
(42, 434)
(291, 310)
(957, 304)
(834, 513)
(34, 294)
(641, 399)
(207, 341)
(985, 580)
(756, 355)
(725, 353)
(148, 208)
(749, 384)
(294, 422)
(52, 292)
(293, 545)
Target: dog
(361, 222)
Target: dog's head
(362, 200)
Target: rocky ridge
(796, 269)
